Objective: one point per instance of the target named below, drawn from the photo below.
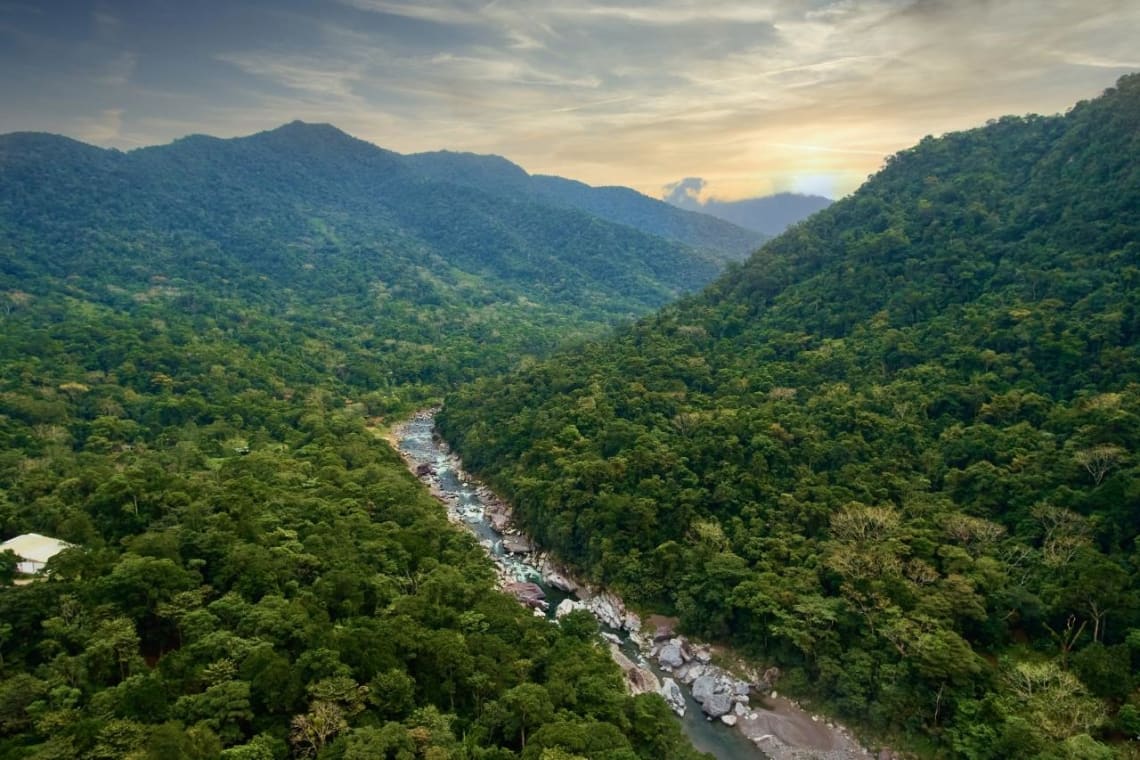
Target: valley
(860, 453)
(889, 454)
(772, 727)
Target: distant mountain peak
(486, 171)
(309, 135)
(308, 127)
(769, 214)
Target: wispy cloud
(322, 77)
(104, 127)
(753, 97)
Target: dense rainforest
(197, 345)
(417, 272)
(897, 452)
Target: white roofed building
(34, 551)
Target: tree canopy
(897, 451)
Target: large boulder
(530, 594)
(670, 657)
(691, 672)
(703, 688)
(607, 608)
(566, 606)
(498, 514)
(517, 544)
(638, 680)
(683, 645)
(559, 581)
(717, 705)
(673, 695)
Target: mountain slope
(896, 451)
(230, 191)
(620, 205)
(442, 279)
(199, 347)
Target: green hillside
(721, 240)
(197, 344)
(897, 451)
(439, 279)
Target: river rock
(670, 656)
(741, 709)
(560, 581)
(566, 606)
(638, 680)
(517, 544)
(692, 671)
(425, 470)
(728, 720)
(642, 681)
(612, 638)
(664, 631)
(530, 594)
(673, 695)
(498, 515)
(703, 688)
(607, 608)
(717, 705)
(632, 622)
(680, 643)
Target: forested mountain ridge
(307, 219)
(896, 451)
(620, 205)
(197, 344)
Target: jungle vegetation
(896, 452)
(198, 345)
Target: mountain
(896, 452)
(769, 215)
(619, 205)
(200, 347)
(449, 276)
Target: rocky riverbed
(654, 660)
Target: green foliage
(896, 451)
(199, 344)
(304, 242)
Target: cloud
(685, 193)
(327, 78)
(118, 70)
(751, 97)
(103, 128)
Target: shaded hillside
(620, 205)
(309, 223)
(896, 451)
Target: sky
(752, 97)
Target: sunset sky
(755, 97)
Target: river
(469, 503)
